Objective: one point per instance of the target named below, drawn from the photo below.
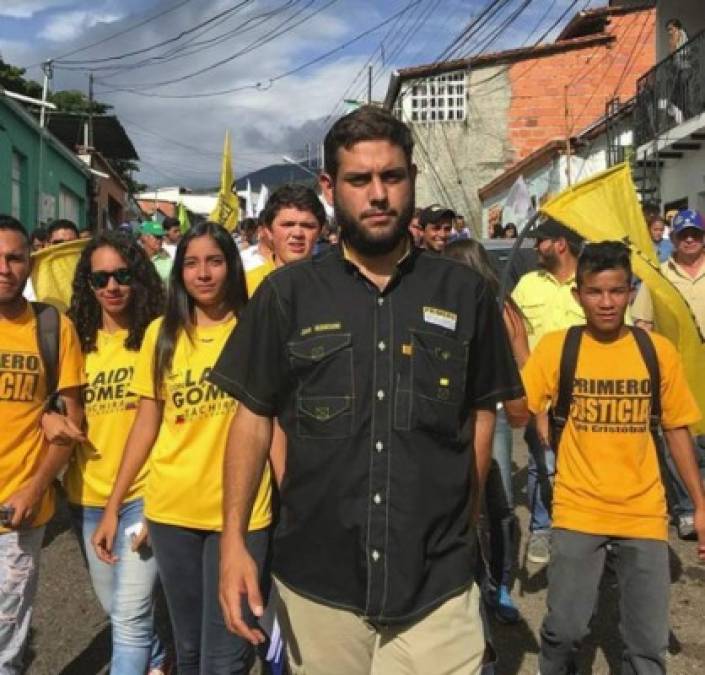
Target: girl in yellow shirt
(181, 427)
(116, 295)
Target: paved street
(71, 636)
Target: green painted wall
(19, 133)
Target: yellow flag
(53, 268)
(227, 209)
(606, 207)
(184, 220)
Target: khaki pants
(323, 640)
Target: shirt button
(379, 446)
(375, 555)
(380, 301)
(380, 395)
(377, 499)
(381, 346)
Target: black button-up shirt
(373, 389)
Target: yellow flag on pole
(184, 220)
(53, 268)
(227, 209)
(606, 207)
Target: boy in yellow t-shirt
(608, 491)
(28, 464)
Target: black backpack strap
(648, 354)
(566, 376)
(48, 328)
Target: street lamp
(289, 160)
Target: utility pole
(48, 74)
(90, 109)
(369, 84)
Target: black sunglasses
(100, 279)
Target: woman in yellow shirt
(116, 295)
(181, 427)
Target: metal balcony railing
(672, 92)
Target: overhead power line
(265, 84)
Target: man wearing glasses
(685, 269)
(437, 224)
(152, 237)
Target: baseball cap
(552, 229)
(152, 227)
(434, 214)
(686, 219)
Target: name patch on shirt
(321, 328)
(440, 317)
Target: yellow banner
(53, 268)
(227, 209)
(606, 207)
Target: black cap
(552, 229)
(434, 214)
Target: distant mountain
(275, 175)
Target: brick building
(474, 118)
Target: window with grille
(17, 187)
(439, 99)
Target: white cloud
(25, 9)
(69, 25)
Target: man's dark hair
(295, 196)
(61, 224)
(603, 256)
(676, 23)
(368, 123)
(38, 233)
(170, 222)
(11, 224)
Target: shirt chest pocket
(323, 367)
(431, 384)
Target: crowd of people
(296, 433)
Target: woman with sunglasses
(181, 426)
(116, 295)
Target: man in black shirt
(383, 364)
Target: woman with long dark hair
(116, 295)
(499, 497)
(181, 426)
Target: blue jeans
(125, 590)
(189, 562)
(541, 469)
(499, 502)
(679, 502)
(19, 569)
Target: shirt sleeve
(143, 378)
(642, 309)
(71, 372)
(252, 367)
(539, 375)
(492, 373)
(678, 405)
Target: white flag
(249, 205)
(261, 199)
(519, 201)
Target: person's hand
(140, 539)
(104, 537)
(543, 428)
(60, 430)
(24, 503)
(699, 525)
(239, 580)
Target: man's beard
(360, 240)
(548, 261)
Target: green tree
(12, 78)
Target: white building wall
(685, 178)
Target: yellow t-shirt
(22, 396)
(255, 276)
(607, 474)
(110, 409)
(185, 480)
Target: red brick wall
(594, 75)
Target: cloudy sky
(166, 87)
